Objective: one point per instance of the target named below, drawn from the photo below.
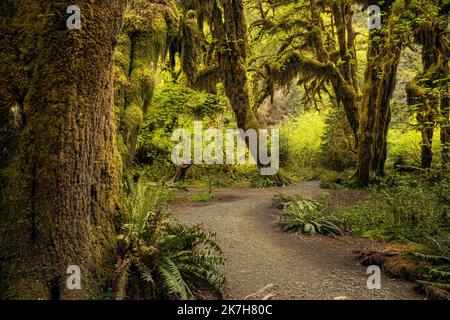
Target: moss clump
(133, 117)
(429, 281)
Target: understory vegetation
(406, 210)
(413, 210)
(161, 258)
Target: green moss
(204, 197)
(133, 117)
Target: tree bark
(60, 178)
(233, 63)
(427, 146)
(445, 125)
(181, 173)
(376, 114)
(383, 59)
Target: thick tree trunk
(60, 179)
(376, 113)
(383, 59)
(383, 114)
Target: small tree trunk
(181, 172)
(427, 146)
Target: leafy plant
(161, 258)
(281, 200)
(261, 182)
(308, 216)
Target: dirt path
(259, 254)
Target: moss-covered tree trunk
(343, 77)
(375, 114)
(233, 63)
(445, 100)
(428, 92)
(148, 28)
(445, 123)
(60, 171)
(426, 116)
(424, 101)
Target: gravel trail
(287, 266)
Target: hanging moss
(428, 92)
(133, 117)
(207, 79)
(149, 28)
(189, 42)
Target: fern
(172, 281)
(308, 216)
(161, 258)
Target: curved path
(286, 266)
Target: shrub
(161, 258)
(281, 200)
(261, 182)
(403, 210)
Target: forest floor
(259, 256)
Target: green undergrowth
(414, 211)
(202, 197)
(160, 257)
(306, 215)
(405, 209)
